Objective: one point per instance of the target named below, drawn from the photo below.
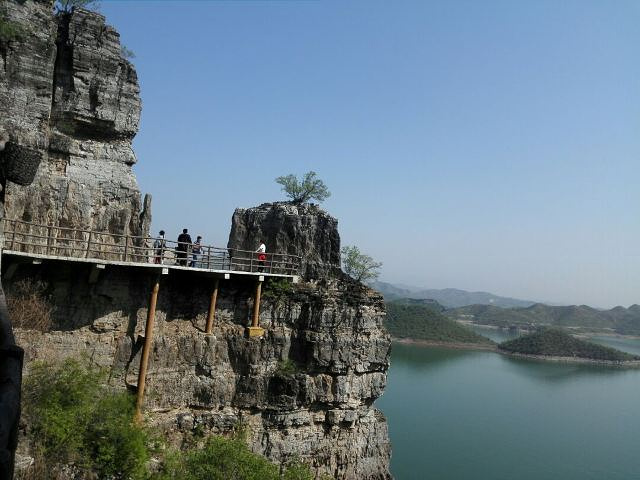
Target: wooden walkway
(48, 242)
(36, 243)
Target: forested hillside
(625, 321)
(408, 319)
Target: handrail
(67, 242)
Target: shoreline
(559, 359)
(452, 345)
(524, 356)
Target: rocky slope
(67, 93)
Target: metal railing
(65, 242)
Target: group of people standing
(189, 253)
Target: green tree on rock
(309, 188)
(359, 266)
(66, 6)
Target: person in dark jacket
(182, 250)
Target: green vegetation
(66, 6)
(558, 343)
(359, 266)
(277, 291)
(10, 31)
(625, 321)
(423, 322)
(127, 53)
(227, 459)
(310, 188)
(286, 367)
(75, 419)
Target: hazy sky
(483, 145)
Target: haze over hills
(624, 321)
(448, 297)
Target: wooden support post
(49, 233)
(86, 254)
(212, 307)
(255, 330)
(13, 235)
(148, 338)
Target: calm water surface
(456, 414)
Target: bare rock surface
(67, 93)
(296, 229)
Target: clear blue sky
(483, 145)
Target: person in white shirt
(262, 256)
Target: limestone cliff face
(304, 230)
(319, 410)
(305, 390)
(67, 92)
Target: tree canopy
(359, 266)
(68, 5)
(309, 188)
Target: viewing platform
(47, 242)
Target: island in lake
(556, 344)
(424, 322)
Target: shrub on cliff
(29, 305)
(10, 31)
(75, 419)
(227, 459)
(310, 188)
(359, 266)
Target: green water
(456, 414)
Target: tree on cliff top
(302, 191)
(67, 6)
(359, 266)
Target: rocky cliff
(306, 389)
(304, 230)
(67, 93)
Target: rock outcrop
(67, 93)
(296, 229)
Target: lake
(461, 414)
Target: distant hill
(557, 343)
(448, 297)
(625, 321)
(422, 322)
(425, 302)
